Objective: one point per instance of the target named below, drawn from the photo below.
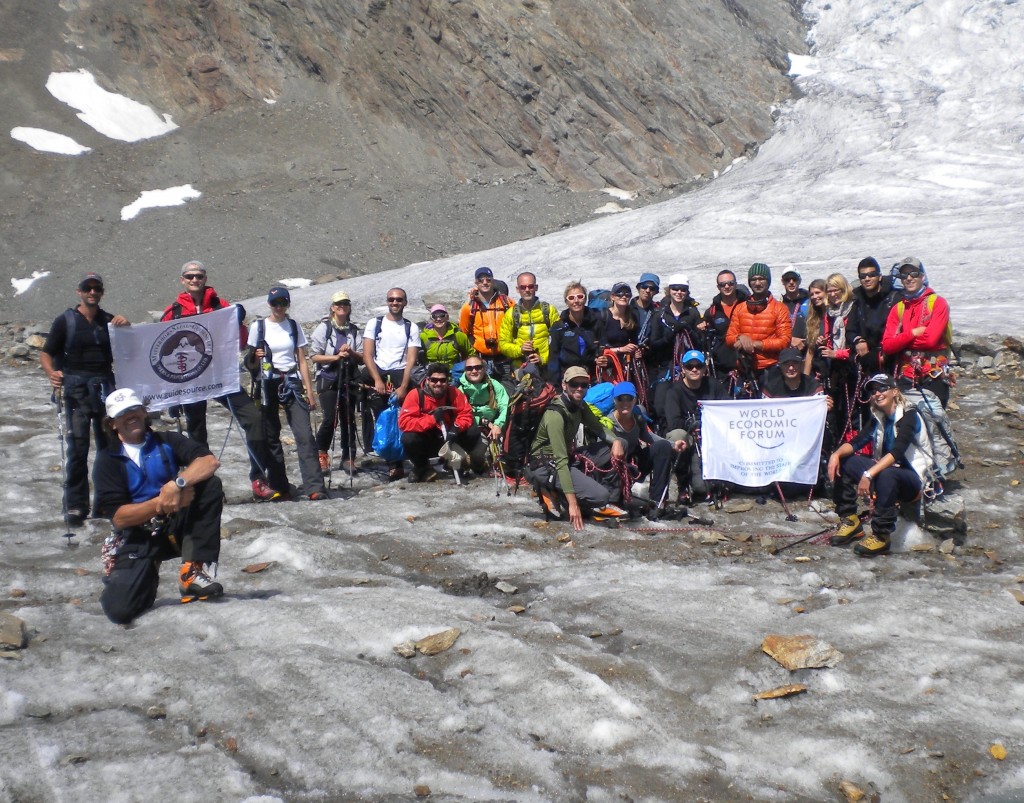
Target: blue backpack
(600, 396)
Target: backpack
(526, 407)
(476, 307)
(600, 397)
(945, 454)
(599, 299)
(517, 316)
(947, 336)
(255, 369)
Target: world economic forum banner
(758, 442)
(178, 362)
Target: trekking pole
(57, 397)
(664, 494)
(782, 498)
(777, 550)
(245, 440)
(455, 471)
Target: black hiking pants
(893, 486)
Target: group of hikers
(506, 391)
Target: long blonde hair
(814, 316)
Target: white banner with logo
(177, 362)
(755, 443)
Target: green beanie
(759, 269)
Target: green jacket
(557, 432)
(489, 400)
(450, 348)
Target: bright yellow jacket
(520, 325)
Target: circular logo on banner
(182, 352)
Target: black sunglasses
(689, 366)
(873, 275)
(727, 284)
(579, 385)
(396, 300)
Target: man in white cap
(161, 495)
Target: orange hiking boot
(194, 583)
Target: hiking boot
(610, 512)
(194, 583)
(317, 496)
(262, 492)
(423, 475)
(76, 517)
(872, 545)
(549, 503)
(325, 461)
(850, 529)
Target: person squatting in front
(552, 466)
(162, 497)
(435, 414)
(277, 352)
(652, 454)
(80, 366)
(894, 476)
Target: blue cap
(483, 271)
(693, 354)
(624, 389)
(279, 294)
(649, 278)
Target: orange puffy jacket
(771, 326)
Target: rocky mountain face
(585, 92)
(348, 136)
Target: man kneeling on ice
(556, 467)
(161, 495)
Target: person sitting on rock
(162, 497)
(894, 475)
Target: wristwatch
(866, 476)
(180, 482)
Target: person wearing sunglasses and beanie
(554, 467)
(759, 329)
(918, 335)
(486, 396)
(77, 360)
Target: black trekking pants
(193, 533)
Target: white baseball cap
(121, 401)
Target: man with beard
(759, 328)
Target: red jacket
(921, 354)
(184, 306)
(416, 413)
(771, 326)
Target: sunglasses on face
(279, 303)
(575, 298)
(623, 294)
(863, 276)
(474, 368)
(624, 398)
(341, 304)
(194, 277)
(527, 287)
(678, 288)
(727, 284)
(650, 288)
(437, 380)
(912, 274)
(396, 300)
(92, 289)
(439, 316)
(693, 366)
(579, 385)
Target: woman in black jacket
(576, 340)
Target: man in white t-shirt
(390, 343)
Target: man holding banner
(760, 441)
(190, 359)
(199, 298)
